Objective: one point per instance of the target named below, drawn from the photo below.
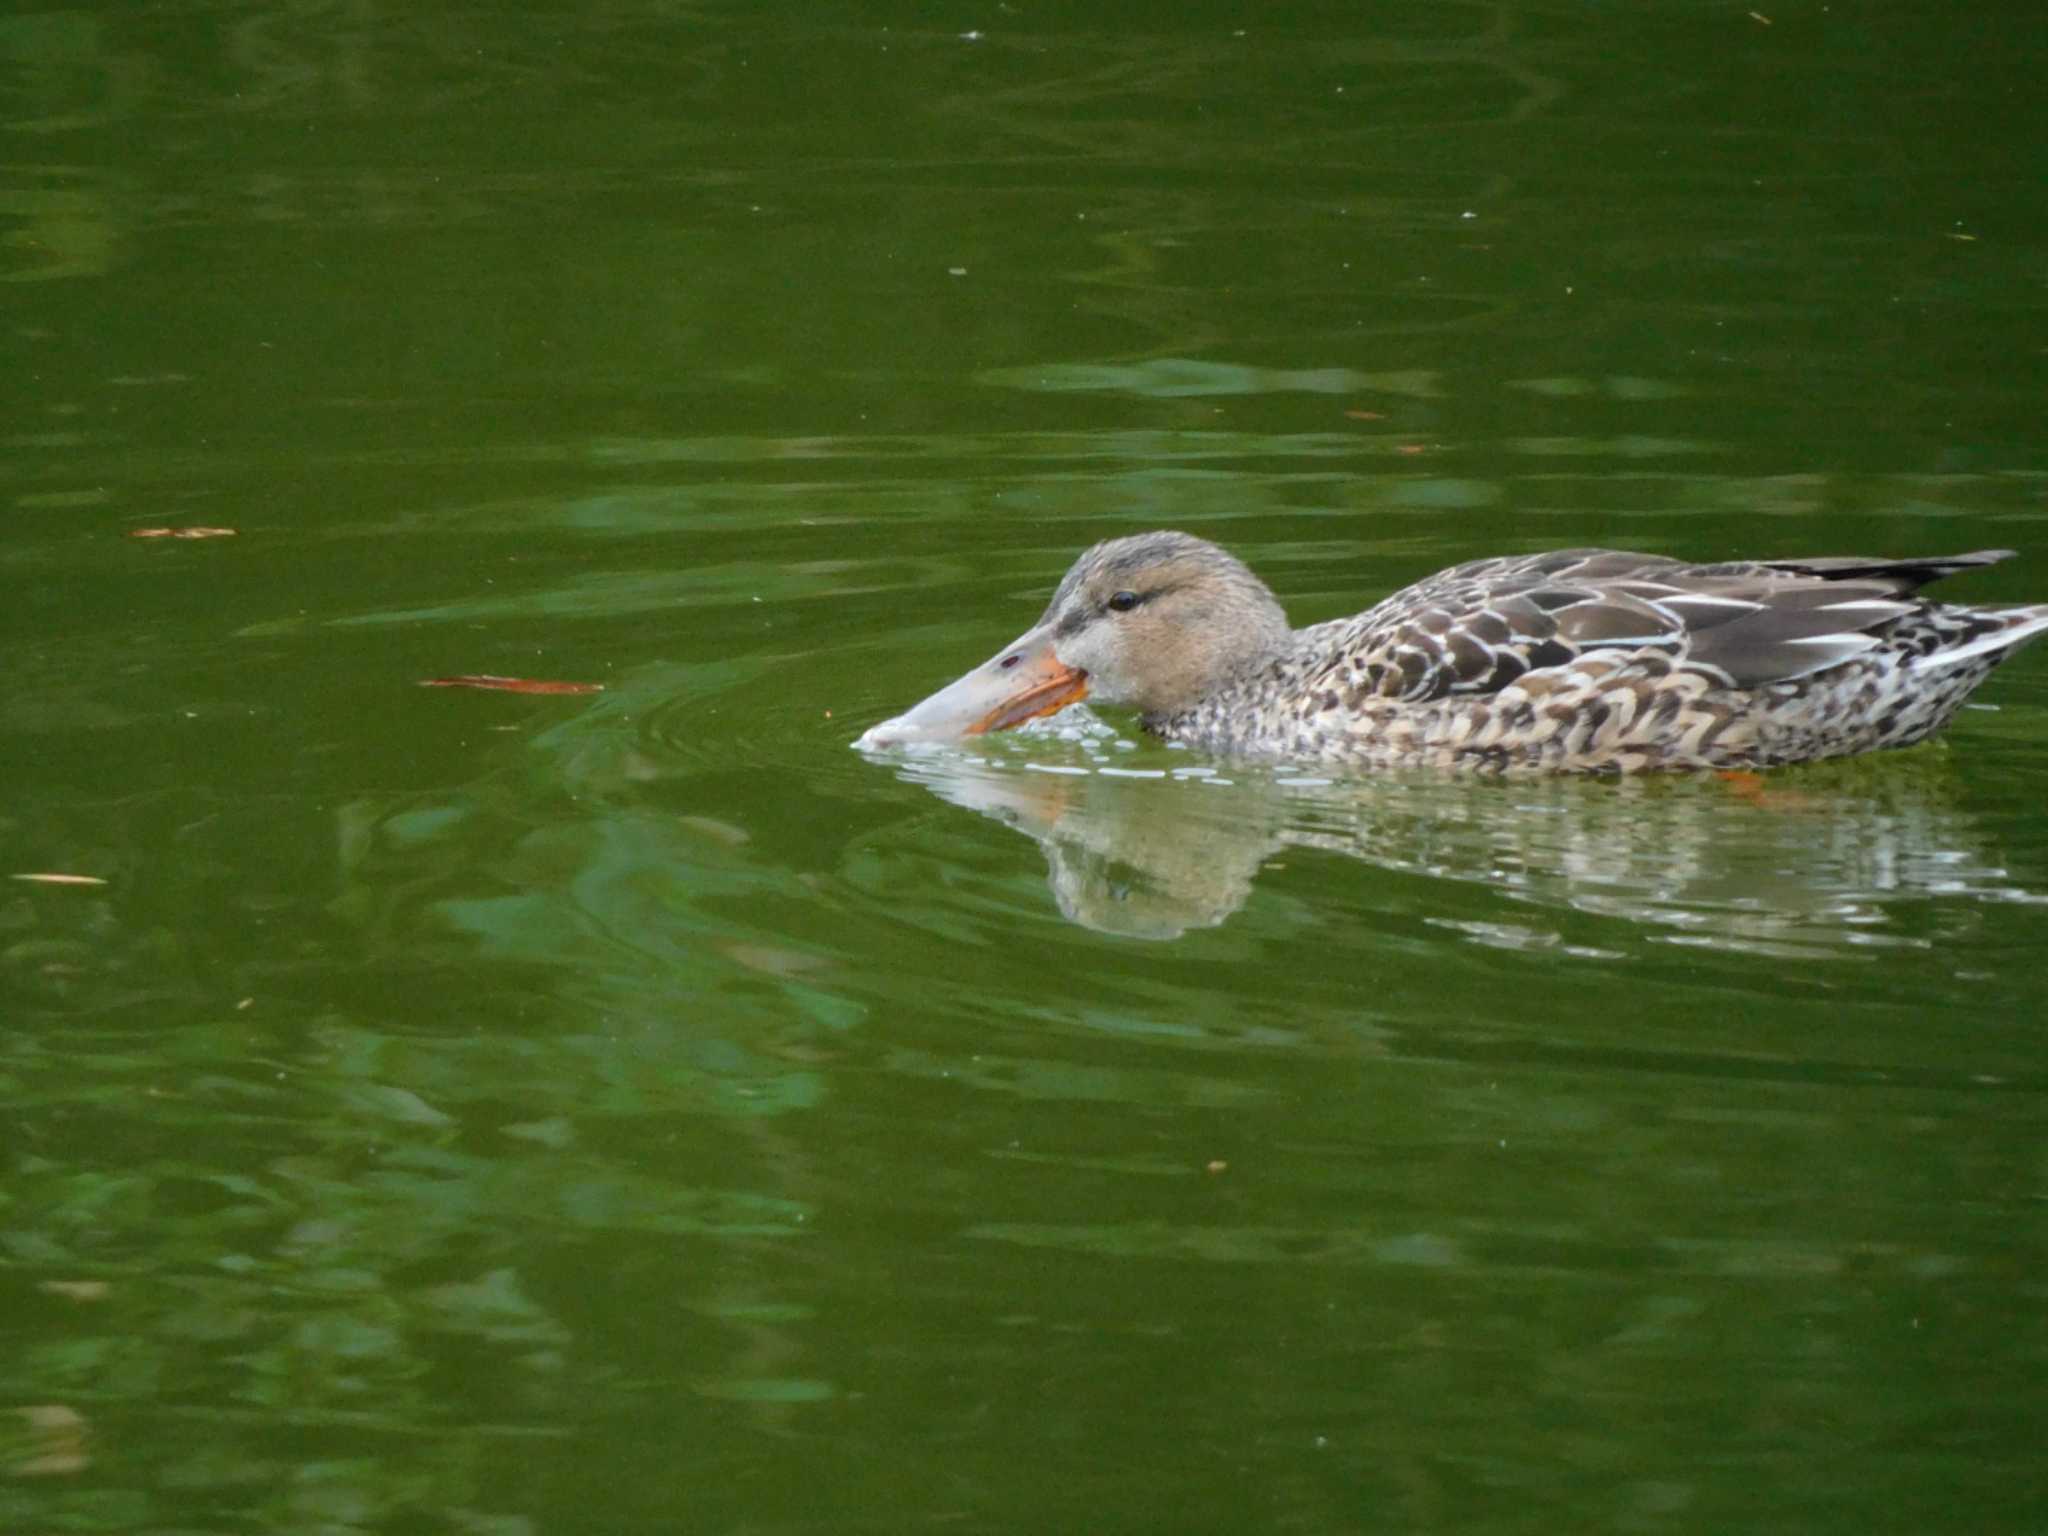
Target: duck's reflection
(1817, 859)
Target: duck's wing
(1476, 628)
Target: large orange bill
(1022, 681)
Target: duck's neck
(1246, 695)
(1259, 635)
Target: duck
(1570, 661)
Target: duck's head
(1155, 623)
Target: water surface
(636, 1110)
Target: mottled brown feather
(1573, 660)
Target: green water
(636, 1111)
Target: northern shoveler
(1580, 660)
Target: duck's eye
(1124, 602)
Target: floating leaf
(510, 684)
(55, 879)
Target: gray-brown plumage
(1578, 660)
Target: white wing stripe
(1706, 600)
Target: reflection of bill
(1808, 868)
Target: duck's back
(1606, 660)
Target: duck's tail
(1904, 577)
(1991, 633)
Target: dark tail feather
(1903, 576)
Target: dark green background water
(636, 1111)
